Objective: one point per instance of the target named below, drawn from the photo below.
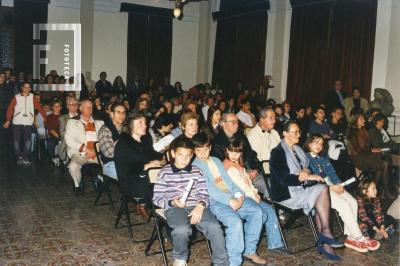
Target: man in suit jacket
(103, 86)
(230, 129)
(72, 106)
(81, 135)
(335, 97)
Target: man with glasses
(72, 107)
(263, 137)
(230, 129)
(109, 135)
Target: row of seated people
(82, 131)
(293, 172)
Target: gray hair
(263, 112)
(224, 117)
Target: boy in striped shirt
(172, 181)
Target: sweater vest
(24, 112)
(115, 136)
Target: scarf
(219, 182)
(295, 164)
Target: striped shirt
(171, 183)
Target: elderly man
(72, 107)
(263, 137)
(229, 130)
(108, 137)
(80, 136)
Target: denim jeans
(271, 226)
(22, 140)
(52, 143)
(109, 170)
(240, 238)
(261, 186)
(178, 220)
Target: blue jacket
(326, 165)
(214, 192)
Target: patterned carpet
(43, 223)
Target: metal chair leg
(151, 241)
(103, 187)
(339, 222)
(119, 215)
(314, 231)
(209, 248)
(160, 240)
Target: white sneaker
(179, 263)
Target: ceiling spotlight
(177, 12)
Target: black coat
(130, 157)
(281, 178)
(249, 156)
(103, 88)
(332, 100)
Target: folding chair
(160, 222)
(107, 180)
(124, 210)
(278, 206)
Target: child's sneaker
(357, 245)
(371, 244)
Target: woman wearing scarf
(293, 186)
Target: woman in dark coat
(293, 185)
(133, 155)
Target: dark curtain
(240, 51)
(27, 13)
(330, 40)
(149, 43)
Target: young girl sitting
(341, 200)
(233, 165)
(370, 214)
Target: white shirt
(245, 118)
(263, 142)
(204, 110)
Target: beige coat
(348, 105)
(75, 135)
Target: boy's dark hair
(201, 140)
(117, 104)
(184, 142)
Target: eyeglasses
(232, 121)
(296, 132)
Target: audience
(232, 190)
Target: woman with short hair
(293, 185)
